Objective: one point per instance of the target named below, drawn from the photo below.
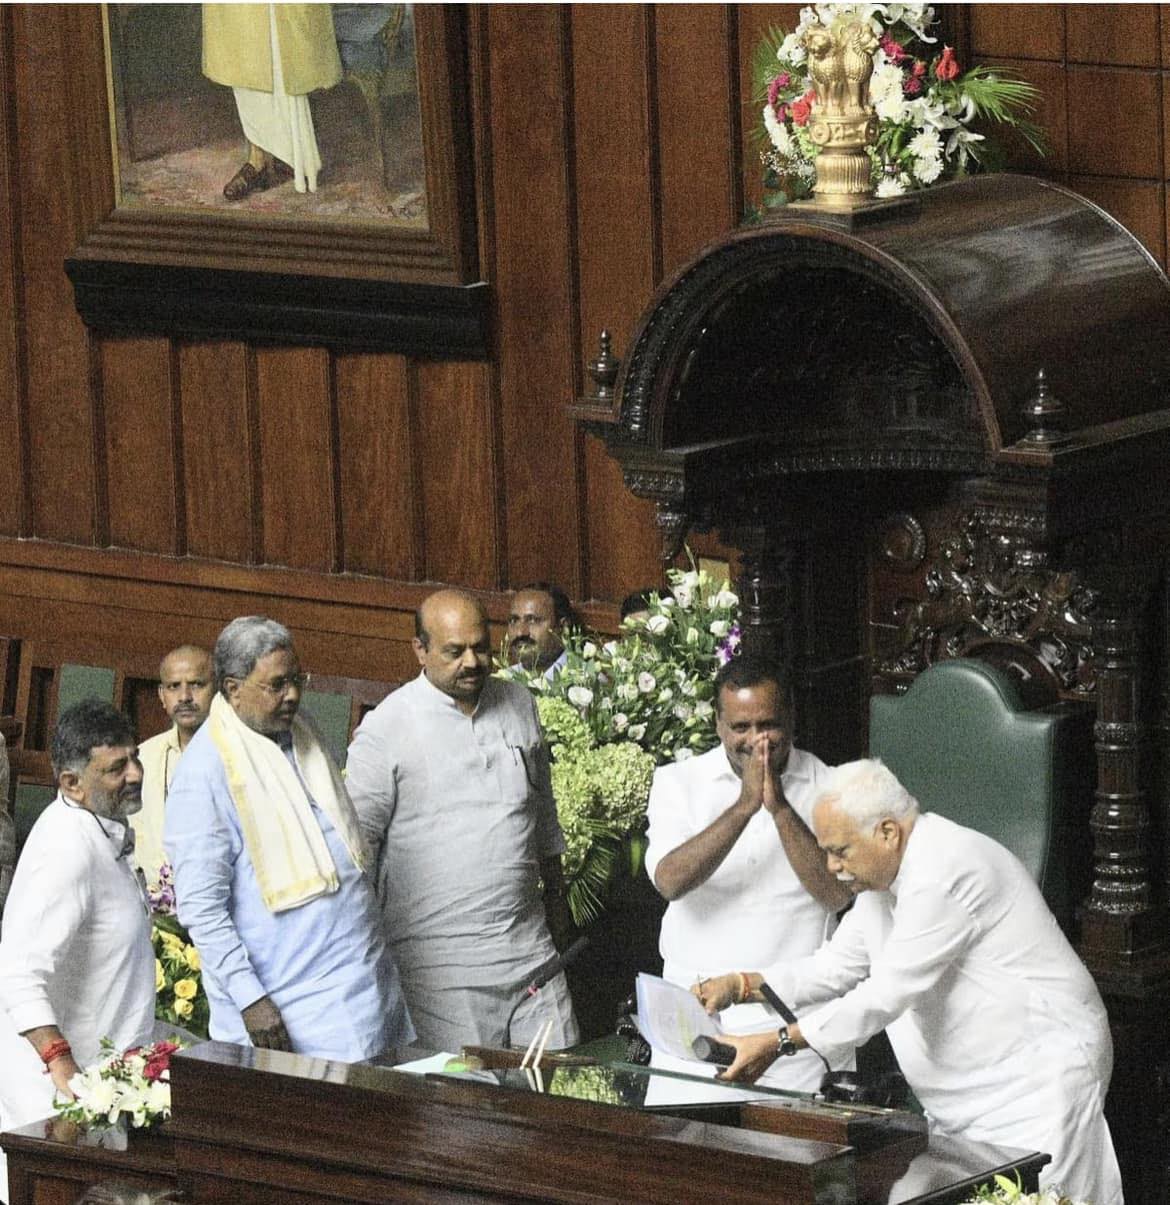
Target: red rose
(803, 107)
(919, 68)
(946, 68)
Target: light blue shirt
(323, 964)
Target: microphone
(544, 973)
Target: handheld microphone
(711, 1051)
(547, 971)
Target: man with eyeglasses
(271, 869)
(76, 963)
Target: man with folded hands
(730, 848)
(271, 867)
(949, 947)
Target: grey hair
(867, 792)
(243, 642)
(84, 727)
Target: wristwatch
(784, 1044)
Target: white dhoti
(279, 123)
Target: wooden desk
(264, 1127)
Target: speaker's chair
(962, 741)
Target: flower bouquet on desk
(616, 711)
(122, 1090)
(931, 112)
(179, 995)
(1005, 1191)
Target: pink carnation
(777, 86)
(894, 51)
(911, 86)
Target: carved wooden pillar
(766, 596)
(1118, 920)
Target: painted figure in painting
(272, 56)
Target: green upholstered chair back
(961, 741)
(30, 800)
(330, 714)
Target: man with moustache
(949, 947)
(450, 777)
(185, 691)
(76, 963)
(730, 848)
(539, 614)
(271, 869)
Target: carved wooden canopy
(796, 367)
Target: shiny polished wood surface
(260, 1126)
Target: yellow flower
(173, 943)
(183, 1008)
(160, 976)
(191, 957)
(186, 989)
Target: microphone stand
(551, 968)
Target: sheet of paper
(670, 1018)
(428, 1066)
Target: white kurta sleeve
(371, 778)
(40, 927)
(670, 823)
(204, 846)
(930, 931)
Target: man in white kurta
(761, 893)
(185, 691)
(450, 777)
(76, 963)
(950, 947)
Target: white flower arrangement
(614, 712)
(927, 107)
(1010, 1192)
(131, 1088)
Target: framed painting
(290, 172)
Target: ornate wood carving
(766, 595)
(992, 594)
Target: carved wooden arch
(670, 337)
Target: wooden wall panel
(611, 143)
(12, 373)
(620, 253)
(377, 478)
(220, 499)
(535, 290)
(456, 474)
(696, 85)
(140, 470)
(59, 413)
(297, 455)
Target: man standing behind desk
(185, 691)
(950, 947)
(76, 964)
(270, 867)
(450, 777)
(730, 848)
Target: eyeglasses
(279, 688)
